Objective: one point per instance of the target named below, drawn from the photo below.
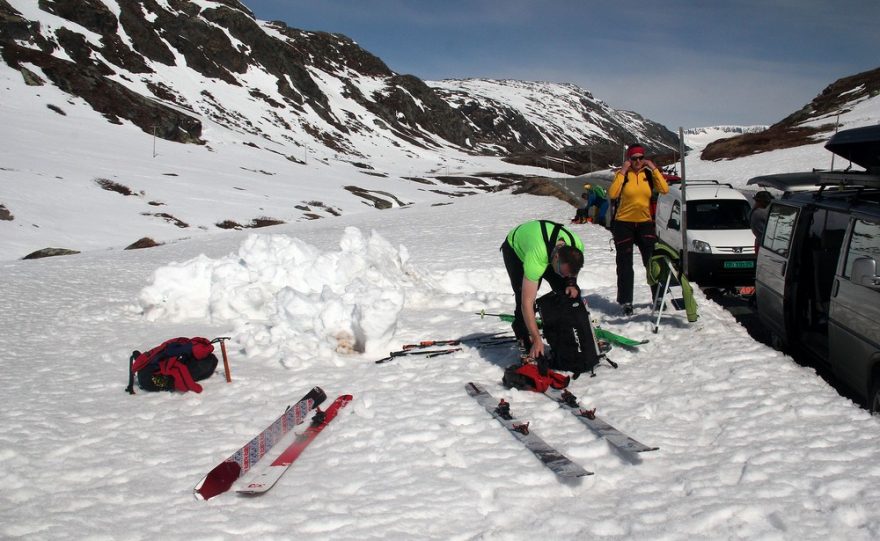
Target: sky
(682, 63)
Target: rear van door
(854, 320)
(771, 286)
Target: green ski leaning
(601, 333)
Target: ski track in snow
(751, 444)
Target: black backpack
(566, 324)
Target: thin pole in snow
(154, 141)
(836, 129)
(684, 243)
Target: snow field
(751, 444)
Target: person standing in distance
(534, 251)
(758, 218)
(633, 223)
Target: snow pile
(281, 290)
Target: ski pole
(222, 341)
(479, 341)
(427, 353)
(429, 343)
(505, 317)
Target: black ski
(614, 436)
(561, 465)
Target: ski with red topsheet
(221, 478)
(268, 477)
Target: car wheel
(776, 342)
(874, 397)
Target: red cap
(635, 149)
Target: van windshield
(718, 214)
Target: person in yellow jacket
(633, 223)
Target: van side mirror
(864, 272)
(673, 224)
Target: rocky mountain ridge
(809, 124)
(134, 60)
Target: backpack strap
(134, 355)
(550, 240)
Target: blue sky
(682, 63)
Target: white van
(721, 246)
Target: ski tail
(618, 339)
(612, 435)
(223, 475)
(562, 466)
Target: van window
(718, 214)
(780, 225)
(825, 236)
(865, 242)
(675, 215)
(821, 254)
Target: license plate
(739, 264)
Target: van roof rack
(794, 182)
(709, 183)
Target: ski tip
(218, 480)
(317, 394)
(474, 389)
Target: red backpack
(176, 364)
(529, 377)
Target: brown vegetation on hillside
(790, 132)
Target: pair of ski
(428, 348)
(601, 334)
(221, 478)
(561, 465)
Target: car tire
(776, 342)
(874, 396)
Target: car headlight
(702, 247)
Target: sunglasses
(636, 157)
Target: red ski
(220, 479)
(267, 479)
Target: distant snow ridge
(289, 299)
(561, 114)
(725, 129)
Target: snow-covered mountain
(559, 116)
(846, 103)
(697, 138)
(164, 119)
(200, 116)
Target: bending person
(535, 251)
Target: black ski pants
(516, 273)
(626, 235)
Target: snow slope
(50, 169)
(862, 112)
(751, 444)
